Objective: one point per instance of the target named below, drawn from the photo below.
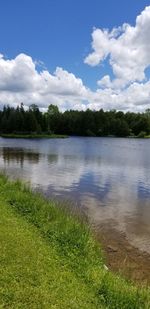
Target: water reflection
(18, 155)
(108, 178)
(52, 158)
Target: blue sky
(58, 33)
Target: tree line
(82, 123)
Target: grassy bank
(33, 136)
(50, 260)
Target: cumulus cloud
(127, 48)
(20, 81)
(136, 97)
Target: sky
(76, 54)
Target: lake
(107, 178)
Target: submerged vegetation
(82, 123)
(49, 259)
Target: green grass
(147, 136)
(50, 260)
(33, 136)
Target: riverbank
(62, 136)
(122, 257)
(33, 136)
(49, 259)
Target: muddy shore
(122, 257)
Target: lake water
(108, 178)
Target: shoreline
(122, 257)
(32, 135)
(74, 268)
(29, 136)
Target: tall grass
(75, 247)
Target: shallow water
(108, 178)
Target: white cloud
(136, 97)
(105, 82)
(20, 81)
(128, 51)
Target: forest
(75, 123)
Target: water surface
(108, 178)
